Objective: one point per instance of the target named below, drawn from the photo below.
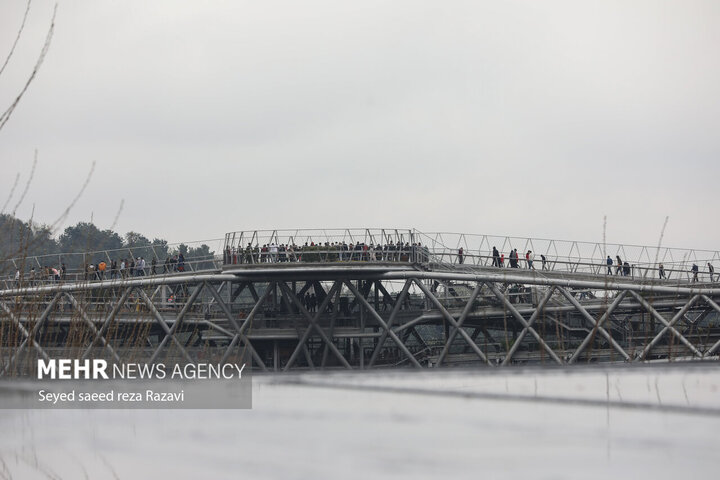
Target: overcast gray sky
(516, 117)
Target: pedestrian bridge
(365, 298)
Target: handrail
(94, 276)
(579, 265)
(76, 261)
(399, 245)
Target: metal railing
(567, 251)
(444, 248)
(670, 272)
(634, 261)
(309, 237)
(46, 269)
(326, 254)
(323, 245)
(372, 245)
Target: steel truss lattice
(359, 317)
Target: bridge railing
(326, 254)
(199, 255)
(571, 256)
(40, 278)
(319, 237)
(671, 271)
(320, 245)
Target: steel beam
(320, 331)
(391, 320)
(92, 327)
(313, 321)
(108, 320)
(463, 316)
(240, 329)
(24, 331)
(594, 323)
(382, 323)
(333, 319)
(178, 321)
(302, 346)
(532, 319)
(597, 326)
(668, 325)
(33, 332)
(524, 323)
(163, 324)
(715, 307)
(451, 320)
(170, 279)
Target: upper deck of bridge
(376, 251)
(362, 247)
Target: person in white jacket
(529, 256)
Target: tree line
(20, 240)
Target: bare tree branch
(117, 215)
(27, 184)
(17, 39)
(61, 218)
(6, 116)
(12, 191)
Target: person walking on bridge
(460, 256)
(626, 269)
(140, 267)
(530, 257)
(661, 271)
(711, 269)
(619, 267)
(609, 265)
(695, 271)
(496, 257)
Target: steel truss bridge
(393, 297)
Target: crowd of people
(498, 259)
(115, 269)
(621, 268)
(42, 275)
(404, 252)
(312, 252)
(127, 268)
(327, 252)
(624, 268)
